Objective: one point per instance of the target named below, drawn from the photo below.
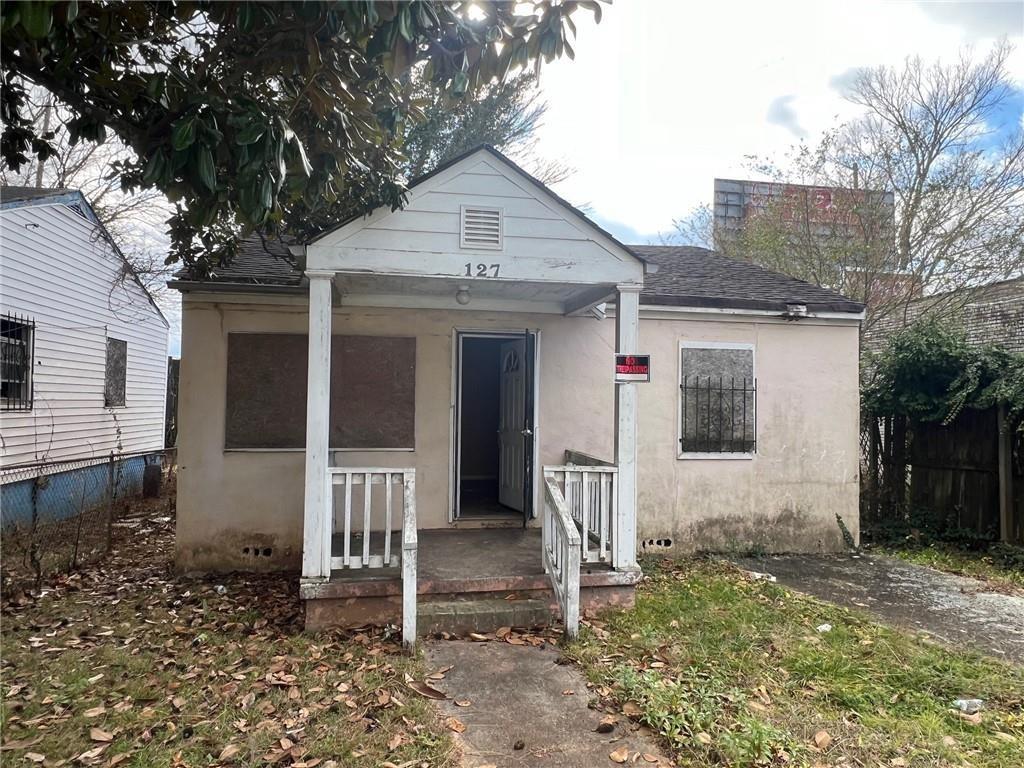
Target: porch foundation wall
(242, 510)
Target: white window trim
(500, 246)
(701, 455)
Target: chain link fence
(56, 516)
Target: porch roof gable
(542, 237)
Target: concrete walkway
(519, 696)
(953, 609)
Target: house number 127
(482, 270)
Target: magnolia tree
(275, 116)
(927, 191)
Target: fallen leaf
(703, 738)
(974, 719)
(229, 752)
(462, 702)
(98, 734)
(455, 724)
(95, 711)
(478, 637)
(426, 690)
(620, 755)
(35, 757)
(607, 724)
(629, 709)
(822, 739)
(647, 756)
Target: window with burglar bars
(718, 399)
(17, 335)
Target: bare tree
(927, 191)
(134, 221)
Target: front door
(512, 443)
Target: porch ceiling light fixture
(462, 295)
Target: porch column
(627, 321)
(316, 526)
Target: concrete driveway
(953, 609)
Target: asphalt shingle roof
(10, 194)
(686, 276)
(698, 277)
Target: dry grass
(127, 662)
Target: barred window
(116, 378)
(718, 399)
(17, 336)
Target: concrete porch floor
(445, 555)
(459, 561)
(467, 580)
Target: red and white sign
(632, 368)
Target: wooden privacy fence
(966, 476)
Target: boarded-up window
(719, 399)
(372, 391)
(116, 373)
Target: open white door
(511, 440)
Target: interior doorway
(494, 426)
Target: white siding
(543, 240)
(56, 271)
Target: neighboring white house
(84, 345)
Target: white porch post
(627, 322)
(316, 527)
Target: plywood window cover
(482, 227)
(285, 430)
(115, 374)
(709, 345)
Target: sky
(666, 95)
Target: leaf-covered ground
(127, 663)
(735, 672)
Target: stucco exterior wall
(785, 498)
(231, 501)
(243, 509)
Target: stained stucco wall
(784, 499)
(805, 471)
(232, 500)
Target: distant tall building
(825, 211)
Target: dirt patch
(953, 609)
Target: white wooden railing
(561, 547)
(590, 496)
(357, 548)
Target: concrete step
(482, 615)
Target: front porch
(487, 251)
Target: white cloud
(664, 96)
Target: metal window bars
(17, 338)
(718, 414)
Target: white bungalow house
(83, 357)
(483, 395)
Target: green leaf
(36, 18)
(251, 133)
(183, 133)
(206, 168)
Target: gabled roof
(12, 197)
(576, 212)
(697, 277)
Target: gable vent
(481, 228)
